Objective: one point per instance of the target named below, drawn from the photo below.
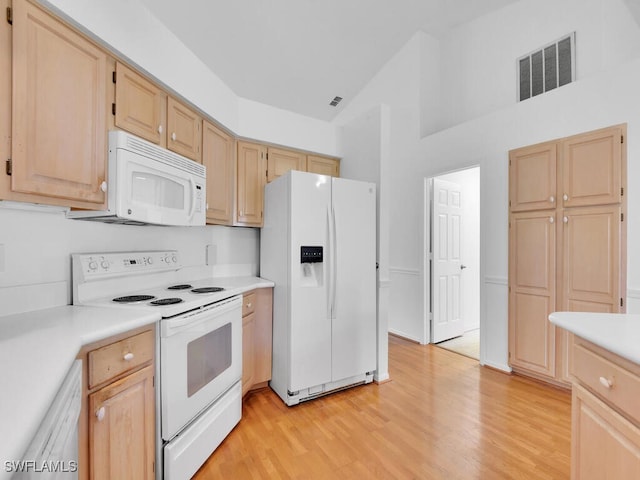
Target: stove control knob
(150, 260)
(174, 259)
(104, 264)
(93, 265)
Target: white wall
(483, 128)
(36, 250)
(478, 59)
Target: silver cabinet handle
(160, 128)
(552, 199)
(565, 219)
(174, 136)
(128, 357)
(551, 220)
(565, 197)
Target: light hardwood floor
(442, 416)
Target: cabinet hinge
(621, 138)
(113, 77)
(113, 108)
(621, 302)
(622, 191)
(622, 217)
(266, 155)
(9, 16)
(9, 167)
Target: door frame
(426, 260)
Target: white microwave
(149, 185)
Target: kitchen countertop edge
(618, 333)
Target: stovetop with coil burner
(118, 279)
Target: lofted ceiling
(299, 54)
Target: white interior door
(447, 267)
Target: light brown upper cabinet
(59, 111)
(184, 130)
(323, 165)
(251, 178)
(219, 155)
(532, 177)
(145, 110)
(5, 107)
(567, 239)
(592, 168)
(141, 107)
(280, 161)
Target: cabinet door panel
(323, 165)
(140, 106)
(122, 435)
(591, 256)
(604, 444)
(532, 177)
(250, 184)
(532, 290)
(59, 109)
(184, 130)
(248, 361)
(219, 155)
(592, 165)
(280, 161)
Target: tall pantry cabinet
(567, 237)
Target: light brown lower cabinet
(257, 317)
(117, 422)
(605, 415)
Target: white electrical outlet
(212, 254)
(2, 262)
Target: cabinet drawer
(111, 360)
(248, 303)
(613, 383)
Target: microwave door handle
(193, 197)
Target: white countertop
(37, 349)
(617, 332)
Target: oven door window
(207, 357)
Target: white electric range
(199, 347)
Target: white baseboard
(398, 333)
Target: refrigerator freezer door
(310, 328)
(354, 310)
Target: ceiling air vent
(547, 68)
(335, 101)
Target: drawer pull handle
(552, 199)
(128, 356)
(249, 305)
(606, 383)
(100, 414)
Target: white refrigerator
(318, 244)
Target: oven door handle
(172, 326)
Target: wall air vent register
(547, 67)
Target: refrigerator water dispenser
(311, 264)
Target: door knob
(462, 267)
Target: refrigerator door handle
(332, 261)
